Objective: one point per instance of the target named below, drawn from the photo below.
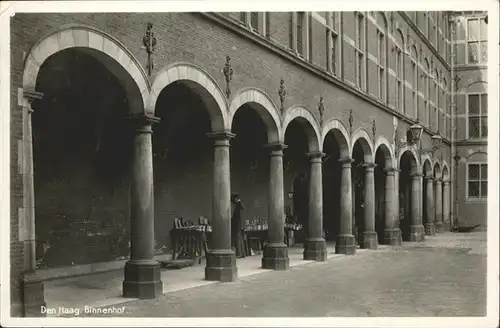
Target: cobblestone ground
(443, 276)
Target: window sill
(476, 200)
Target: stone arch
(427, 167)
(198, 80)
(445, 171)
(109, 51)
(437, 170)
(266, 109)
(341, 136)
(414, 154)
(307, 119)
(400, 38)
(384, 145)
(414, 167)
(365, 141)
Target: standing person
(237, 226)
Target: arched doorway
(331, 185)
(438, 198)
(428, 198)
(182, 159)
(408, 171)
(304, 164)
(82, 157)
(255, 130)
(361, 155)
(383, 161)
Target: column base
(275, 257)
(392, 237)
(430, 229)
(345, 244)
(439, 227)
(315, 250)
(417, 233)
(34, 296)
(221, 266)
(142, 279)
(370, 240)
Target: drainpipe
(454, 166)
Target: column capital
(32, 95)
(315, 156)
(391, 171)
(438, 180)
(143, 123)
(416, 175)
(346, 162)
(429, 178)
(221, 135)
(369, 166)
(446, 182)
(276, 146)
(276, 149)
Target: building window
(425, 84)
(414, 80)
(359, 49)
(477, 41)
(477, 184)
(426, 24)
(290, 29)
(332, 34)
(254, 21)
(400, 73)
(477, 109)
(300, 33)
(436, 101)
(243, 17)
(381, 64)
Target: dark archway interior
(358, 192)
(250, 162)
(405, 198)
(427, 172)
(182, 159)
(82, 149)
(380, 179)
(296, 172)
(331, 187)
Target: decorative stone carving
(228, 73)
(149, 41)
(282, 94)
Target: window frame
(480, 116)
(359, 49)
(482, 40)
(333, 37)
(414, 80)
(480, 198)
(382, 64)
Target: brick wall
(190, 38)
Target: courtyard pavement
(445, 275)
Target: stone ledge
(86, 269)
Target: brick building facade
(94, 109)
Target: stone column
(416, 228)
(142, 271)
(429, 208)
(315, 246)
(221, 259)
(439, 205)
(276, 251)
(392, 234)
(446, 202)
(370, 239)
(346, 244)
(33, 289)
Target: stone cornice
(415, 28)
(461, 68)
(277, 49)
